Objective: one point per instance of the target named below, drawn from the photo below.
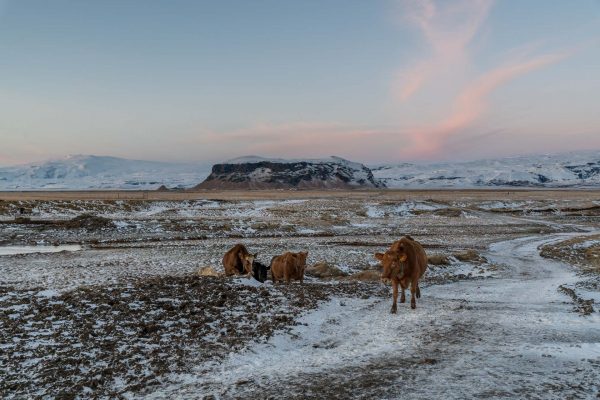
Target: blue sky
(373, 81)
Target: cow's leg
(413, 293)
(418, 291)
(402, 295)
(394, 304)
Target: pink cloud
(448, 30)
(470, 105)
(446, 73)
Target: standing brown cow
(238, 261)
(404, 263)
(288, 266)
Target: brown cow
(238, 261)
(288, 266)
(404, 263)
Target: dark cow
(238, 261)
(259, 271)
(404, 263)
(288, 266)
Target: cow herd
(404, 263)
(285, 267)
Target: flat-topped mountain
(262, 173)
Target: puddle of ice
(13, 250)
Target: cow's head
(393, 262)
(300, 261)
(302, 257)
(248, 260)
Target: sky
(372, 81)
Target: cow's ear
(379, 256)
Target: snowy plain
(513, 336)
(493, 326)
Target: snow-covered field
(124, 315)
(513, 336)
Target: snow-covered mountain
(575, 169)
(99, 172)
(254, 172)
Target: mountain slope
(99, 172)
(576, 169)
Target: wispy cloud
(448, 28)
(449, 31)
(471, 104)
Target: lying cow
(404, 263)
(238, 261)
(259, 271)
(288, 266)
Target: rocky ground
(125, 314)
(114, 340)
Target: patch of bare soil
(582, 251)
(438, 259)
(109, 340)
(324, 270)
(368, 275)
(582, 306)
(83, 221)
(449, 212)
(471, 256)
(88, 221)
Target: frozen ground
(127, 317)
(514, 336)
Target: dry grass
(438, 259)
(469, 256)
(587, 258)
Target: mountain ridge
(100, 172)
(572, 169)
(563, 170)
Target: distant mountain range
(576, 169)
(99, 172)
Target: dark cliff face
(280, 175)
